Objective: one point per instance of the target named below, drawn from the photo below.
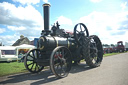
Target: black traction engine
(60, 49)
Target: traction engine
(59, 49)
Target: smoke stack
(46, 18)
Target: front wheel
(30, 61)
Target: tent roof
(25, 46)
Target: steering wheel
(80, 32)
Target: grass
(11, 68)
(110, 54)
(15, 67)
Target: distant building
(22, 40)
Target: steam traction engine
(58, 49)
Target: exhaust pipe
(46, 18)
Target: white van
(8, 53)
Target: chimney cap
(46, 4)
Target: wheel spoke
(62, 53)
(59, 53)
(38, 54)
(84, 30)
(35, 53)
(79, 38)
(35, 67)
(31, 56)
(80, 28)
(78, 31)
(65, 54)
(29, 60)
(29, 64)
(57, 67)
(32, 66)
(61, 69)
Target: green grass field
(11, 68)
(15, 67)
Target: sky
(107, 19)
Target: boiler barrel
(49, 43)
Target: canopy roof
(24, 46)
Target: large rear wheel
(96, 52)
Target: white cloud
(95, 1)
(2, 30)
(8, 39)
(14, 28)
(64, 20)
(95, 21)
(124, 5)
(46, 1)
(19, 16)
(109, 28)
(27, 1)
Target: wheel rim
(60, 61)
(31, 61)
(96, 51)
(80, 31)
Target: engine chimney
(46, 18)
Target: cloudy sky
(106, 18)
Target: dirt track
(113, 71)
